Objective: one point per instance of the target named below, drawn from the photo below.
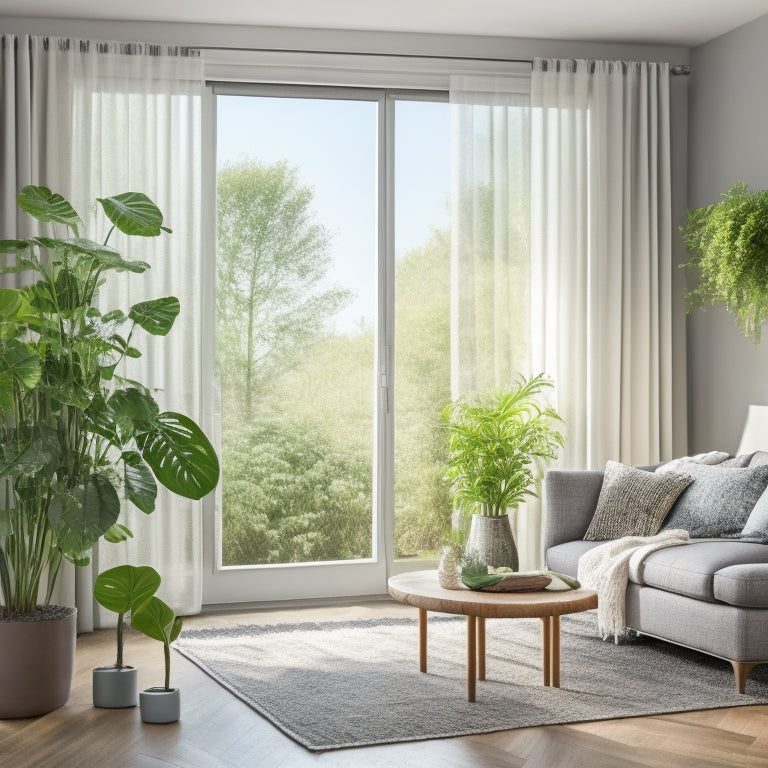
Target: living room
(717, 123)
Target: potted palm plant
(728, 243)
(496, 441)
(121, 589)
(157, 620)
(75, 435)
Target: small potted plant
(495, 441)
(157, 620)
(121, 589)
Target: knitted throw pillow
(719, 501)
(633, 502)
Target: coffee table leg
(546, 644)
(481, 647)
(422, 640)
(555, 622)
(471, 656)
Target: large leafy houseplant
(76, 435)
(728, 243)
(495, 440)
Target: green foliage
(272, 256)
(76, 436)
(728, 242)
(122, 589)
(157, 620)
(290, 496)
(494, 440)
(422, 500)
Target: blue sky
(333, 144)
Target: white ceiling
(673, 22)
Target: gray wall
(728, 141)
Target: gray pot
(115, 688)
(491, 538)
(37, 661)
(159, 705)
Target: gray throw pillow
(633, 502)
(756, 527)
(719, 500)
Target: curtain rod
(677, 69)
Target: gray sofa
(710, 595)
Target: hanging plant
(728, 243)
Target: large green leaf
(45, 205)
(20, 363)
(125, 587)
(140, 485)
(10, 303)
(134, 404)
(134, 214)
(29, 455)
(157, 620)
(180, 455)
(156, 316)
(82, 516)
(108, 257)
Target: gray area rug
(352, 683)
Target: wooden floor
(218, 731)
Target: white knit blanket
(608, 567)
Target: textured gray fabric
(690, 569)
(350, 683)
(727, 631)
(756, 527)
(745, 585)
(719, 500)
(634, 502)
(564, 558)
(570, 498)
(758, 459)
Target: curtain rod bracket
(680, 69)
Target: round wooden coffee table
(422, 590)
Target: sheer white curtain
(561, 254)
(490, 250)
(601, 263)
(90, 119)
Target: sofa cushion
(634, 502)
(719, 500)
(564, 558)
(745, 585)
(690, 569)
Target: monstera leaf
(180, 455)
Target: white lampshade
(755, 434)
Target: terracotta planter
(115, 688)
(37, 658)
(491, 537)
(159, 705)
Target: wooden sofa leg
(741, 670)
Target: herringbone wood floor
(218, 731)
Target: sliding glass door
(330, 203)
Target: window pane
(295, 327)
(422, 327)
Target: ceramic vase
(491, 538)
